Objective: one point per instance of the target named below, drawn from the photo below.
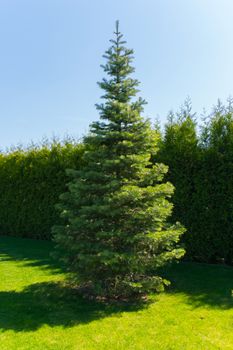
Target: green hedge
(31, 181)
(201, 169)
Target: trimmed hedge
(201, 169)
(179, 150)
(31, 181)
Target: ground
(39, 313)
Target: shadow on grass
(54, 305)
(50, 303)
(30, 252)
(202, 284)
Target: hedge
(201, 169)
(31, 181)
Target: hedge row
(31, 181)
(201, 169)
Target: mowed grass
(36, 312)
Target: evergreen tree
(179, 150)
(214, 230)
(115, 235)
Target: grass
(36, 313)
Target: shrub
(30, 183)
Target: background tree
(115, 233)
(201, 168)
(214, 229)
(179, 150)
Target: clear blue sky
(51, 51)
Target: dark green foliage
(201, 168)
(115, 234)
(30, 183)
(179, 150)
(215, 195)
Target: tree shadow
(30, 253)
(203, 285)
(53, 304)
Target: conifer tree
(179, 150)
(115, 234)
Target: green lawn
(37, 313)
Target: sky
(51, 51)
